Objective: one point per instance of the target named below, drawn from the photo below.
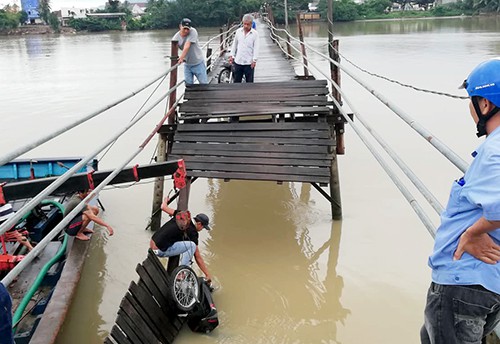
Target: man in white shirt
(245, 50)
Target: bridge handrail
(413, 178)
(5, 158)
(65, 221)
(61, 179)
(434, 141)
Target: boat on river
(43, 291)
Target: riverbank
(36, 30)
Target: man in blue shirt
(5, 316)
(463, 301)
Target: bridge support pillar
(335, 188)
(161, 156)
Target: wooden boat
(43, 291)
(21, 169)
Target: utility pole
(286, 15)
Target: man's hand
(253, 64)
(231, 59)
(180, 60)
(480, 246)
(110, 230)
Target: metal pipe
(434, 141)
(65, 221)
(27, 147)
(401, 164)
(59, 181)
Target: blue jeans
(5, 316)
(199, 70)
(459, 314)
(186, 248)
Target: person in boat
(192, 55)
(245, 50)
(6, 336)
(78, 225)
(14, 234)
(463, 301)
(179, 236)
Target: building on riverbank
(31, 8)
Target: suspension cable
(65, 221)
(402, 165)
(37, 142)
(434, 141)
(61, 179)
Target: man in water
(463, 301)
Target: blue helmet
(484, 81)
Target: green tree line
(162, 14)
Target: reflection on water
(404, 26)
(83, 319)
(271, 272)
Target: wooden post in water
(161, 154)
(336, 130)
(182, 204)
(302, 46)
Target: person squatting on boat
(463, 301)
(78, 225)
(192, 55)
(6, 336)
(13, 234)
(245, 50)
(179, 236)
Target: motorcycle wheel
(225, 76)
(184, 288)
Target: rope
(434, 141)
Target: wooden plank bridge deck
(275, 131)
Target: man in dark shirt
(179, 236)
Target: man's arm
(90, 214)
(201, 264)
(234, 47)
(256, 48)
(187, 45)
(476, 242)
(166, 208)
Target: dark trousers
(459, 314)
(240, 70)
(5, 316)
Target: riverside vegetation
(163, 14)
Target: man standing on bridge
(463, 301)
(245, 50)
(192, 56)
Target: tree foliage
(44, 10)
(8, 20)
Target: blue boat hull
(21, 169)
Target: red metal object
(90, 178)
(180, 175)
(135, 172)
(2, 198)
(8, 261)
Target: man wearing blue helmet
(463, 301)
